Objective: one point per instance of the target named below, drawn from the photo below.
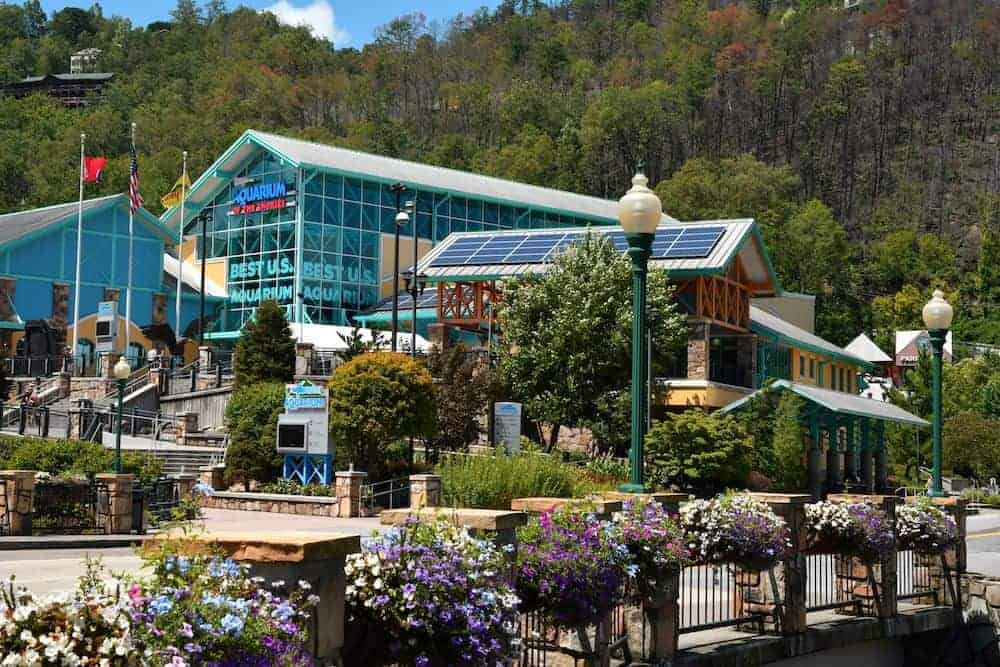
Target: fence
(42, 366)
(70, 507)
(824, 590)
(542, 644)
(387, 494)
(913, 577)
(195, 377)
(42, 421)
(709, 598)
(135, 423)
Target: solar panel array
(539, 248)
(426, 300)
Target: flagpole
(128, 292)
(79, 255)
(180, 241)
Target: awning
(381, 318)
(839, 403)
(331, 336)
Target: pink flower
(135, 594)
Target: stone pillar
(213, 476)
(187, 423)
(881, 456)
(347, 486)
(654, 627)
(425, 491)
(205, 358)
(439, 334)
(603, 508)
(19, 499)
(884, 572)
(789, 574)
(698, 351)
(303, 358)
(108, 364)
(185, 485)
(956, 558)
(65, 384)
(834, 474)
(290, 557)
(119, 502)
(867, 469)
(498, 525)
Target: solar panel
(674, 243)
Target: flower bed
(429, 595)
(569, 568)
(850, 529)
(925, 528)
(735, 528)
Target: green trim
(762, 330)
(223, 335)
(384, 317)
(12, 326)
(778, 289)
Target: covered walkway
(846, 436)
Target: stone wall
(272, 502)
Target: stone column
(884, 571)
(789, 574)
(65, 384)
(290, 557)
(698, 351)
(654, 627)
(347, 486)
(119, 502)
(303, 358)
(956, 558)
(439, 334)
(185, 485)
(19, 499)
(187, 423)
(603, 508)
(498, 525)
(425, 491)
(213, 476)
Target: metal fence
(42, 366)
(42, 421)
(709, 598)
(387, 494)
(824, 590)
(135, 423)
(913, 577)
(543, 644)
(70, 507)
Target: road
(984, 542)
(49, 570)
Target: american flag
(134, 198)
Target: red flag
(93, 167)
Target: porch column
(867, 473)
(834, 471)
(850, 452)
(698, 351)
(881, 457)
(815, 472)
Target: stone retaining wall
(273, 502)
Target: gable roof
(839, 402)
(765, 323)
(864, 347)
(739, 237)
(906, 338)
(23, 225)
(299, 153)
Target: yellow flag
(173, 198)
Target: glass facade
(343, 219)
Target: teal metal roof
(299, 153)
(23, 225)
(767, 324)
(734, 241)
(839, 403)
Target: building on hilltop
(76, 89)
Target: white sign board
(106, 326)
(507, 426)
(304, 426)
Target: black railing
(135, 423)
(824, 589)
(387, 494)
(70, 507)
(42, 421)
(543, 644)
(323, 362)
(42, 366)
(913, 577)
(709, 599)
(156, 499)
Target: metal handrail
(138, 378)
(385, 488)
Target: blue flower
(232, 624)
(183, 564)
(161, 604)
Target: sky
(345, 22)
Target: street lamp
(639, 212)
(937, 318)
(121, 371)
(415, 286)
(401, 219)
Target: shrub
(73, 457)
(265, 350)
(789, 452)
(463, 385)
(698, 452)
(429, 595)
(295, 488)
(491, 482)
(375, 400)
(252, 420)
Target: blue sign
(253, 193)
(305, 396)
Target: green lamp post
(639, 212)
(937, 315)
(121, 371)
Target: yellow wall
(707, 396)
(831, 371)
(215, 269)
(405, 260)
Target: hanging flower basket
(925, 528)
(856, 529)
(656, 549)
(735, 528)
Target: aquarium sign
(260, 197)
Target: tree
(463, 387)
(698, 452)
(265, 350)
(972, 446)
(358, 344)
(567, 334)
(252, 422)
(814, 249)
(789, 453)
(376, 399)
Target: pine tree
(265, 351)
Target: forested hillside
(866, 141)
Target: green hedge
(491, 482)
(71, 457)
